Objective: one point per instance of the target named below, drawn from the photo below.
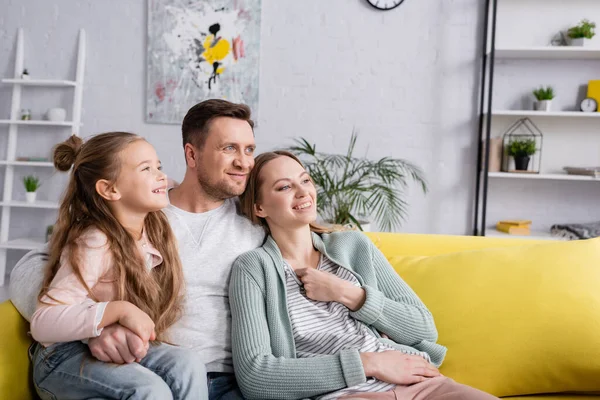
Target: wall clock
(385, 5)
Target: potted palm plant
(32, 184)
(544, 96)
(350, 189)
(582, 32)
(522, 150)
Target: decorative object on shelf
(25, 74)
(593, 92)
(589, 105)
(514, 227)
(25, 114)
(32, 184)
(522, 143)
(199, 50)
(350, 188)
(559, 40)
(49, 230)
(585, 171)
(56, 114)
(582, 32)
(495, 160)
(544, 96)
(385, 5)
(576, 231)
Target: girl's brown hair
(157, 293)
(251, 195)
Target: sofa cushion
(15, 374)
(517, 320)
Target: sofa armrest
(15, 368)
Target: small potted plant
(32, 184)
(522, 150)
(544, 96)
(582, 32)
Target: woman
(322, 314)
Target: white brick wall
(406, 80)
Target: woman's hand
(323, 286)
(397, 367)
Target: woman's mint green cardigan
(264, 354)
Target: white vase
(579, 42)
(30, 197)
(542, 105)
(56, 114)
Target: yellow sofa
(417, 258)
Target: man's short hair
(197, 121)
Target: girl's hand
(397, 367)
(323, 286)
(137, 321)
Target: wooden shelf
(24, 204)
(555, 177)
(22, 244)
(549, 53)
(28, 163)
(545, 114)
(36, 122)
(41, 82)
(535, 235)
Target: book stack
(515, 227)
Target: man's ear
(107, 190)
(259, 211)
(191, 155)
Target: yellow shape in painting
(220, 70)
(217, 52)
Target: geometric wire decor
(526, 133)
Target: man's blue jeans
(223, 386)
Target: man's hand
(323, 286)
(119, 345)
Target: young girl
(113, 260)
(310, 307)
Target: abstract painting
(198, 50)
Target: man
(218, 142)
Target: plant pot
(522, 163)
(579, 42)
(542, 105)
(366, 225)
(30, 197)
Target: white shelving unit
(552, 177)
(518, 56)
(492, 232)
(38, 123)
(10, 162)
(545, 114)
(548, 53)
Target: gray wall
(406, 80)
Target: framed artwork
(201, 49)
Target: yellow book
(513, 229)
(594, 91)
(516, 222)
